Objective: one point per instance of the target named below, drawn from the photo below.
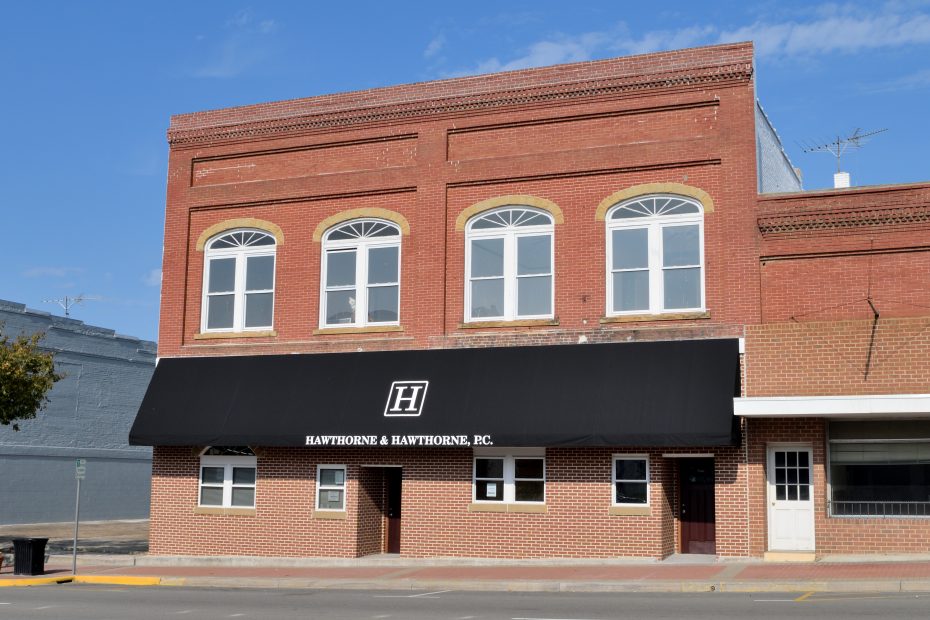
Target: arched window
(509, 265)
(239, 282)
(655, 256)
(361, 274)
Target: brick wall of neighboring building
(88, 415)
(832, 358)
(833, 535)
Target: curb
(111, 580)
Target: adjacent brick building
(88, 415)
(332, 263)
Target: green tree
(26, 375)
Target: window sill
(665, 316)
(217, 335)
(332, 515)
(229, 512)
(629, 511)
(517, 323)
(511, 507)
(373, 329)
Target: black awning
(676, 393)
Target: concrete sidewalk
(103, 558)
(426, 575)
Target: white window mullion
(510, 277)
(509, 492)
(361, 285)
(239, 305)
(656, 282)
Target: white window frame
(227, 463)
(615, 480)
(331, 487)
(361, 247)
(241, 254)
(654, 226)
(509, 458)
(510, 235)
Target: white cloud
(434, 46)
(840, 33)
(153, 278)
(558, 50)
(913, 81)
(52, 272)
(246, 44)
(828, 29)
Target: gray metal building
(88, 416)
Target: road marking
(235, 615)
(774, 600)
(553, 619)
(183, 611)
(421, 595)
(429, 593)
(44, 607)
(803, 597)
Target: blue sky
(88, 87)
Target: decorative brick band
(354, 115)
(838, 220)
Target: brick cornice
(843, 219)
(330, 112)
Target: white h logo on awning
(406, 398)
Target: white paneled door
(791, 498)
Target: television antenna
(839, 145)
(68, 302)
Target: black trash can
(30, 556)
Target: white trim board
(889, 405)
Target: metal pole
(77, 511)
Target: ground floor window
(331, 487)
(631, 480)
(227, 477)
(880, 469)
(518, 476)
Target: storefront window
(227, 477)
(880, 469)
(510, 478)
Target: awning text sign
(464, 441)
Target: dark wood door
(392, 483)
(696, 506)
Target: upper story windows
(239, 282)
(361, 274)
(509, 265)
(655, 256)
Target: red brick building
(557, 312)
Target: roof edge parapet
(678, 68)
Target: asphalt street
(82, 602)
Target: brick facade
(790, 272)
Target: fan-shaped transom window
(509, 265)
(653, 206)
(239, 282)
(242, 239)
(361, 275)
(655, 256)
